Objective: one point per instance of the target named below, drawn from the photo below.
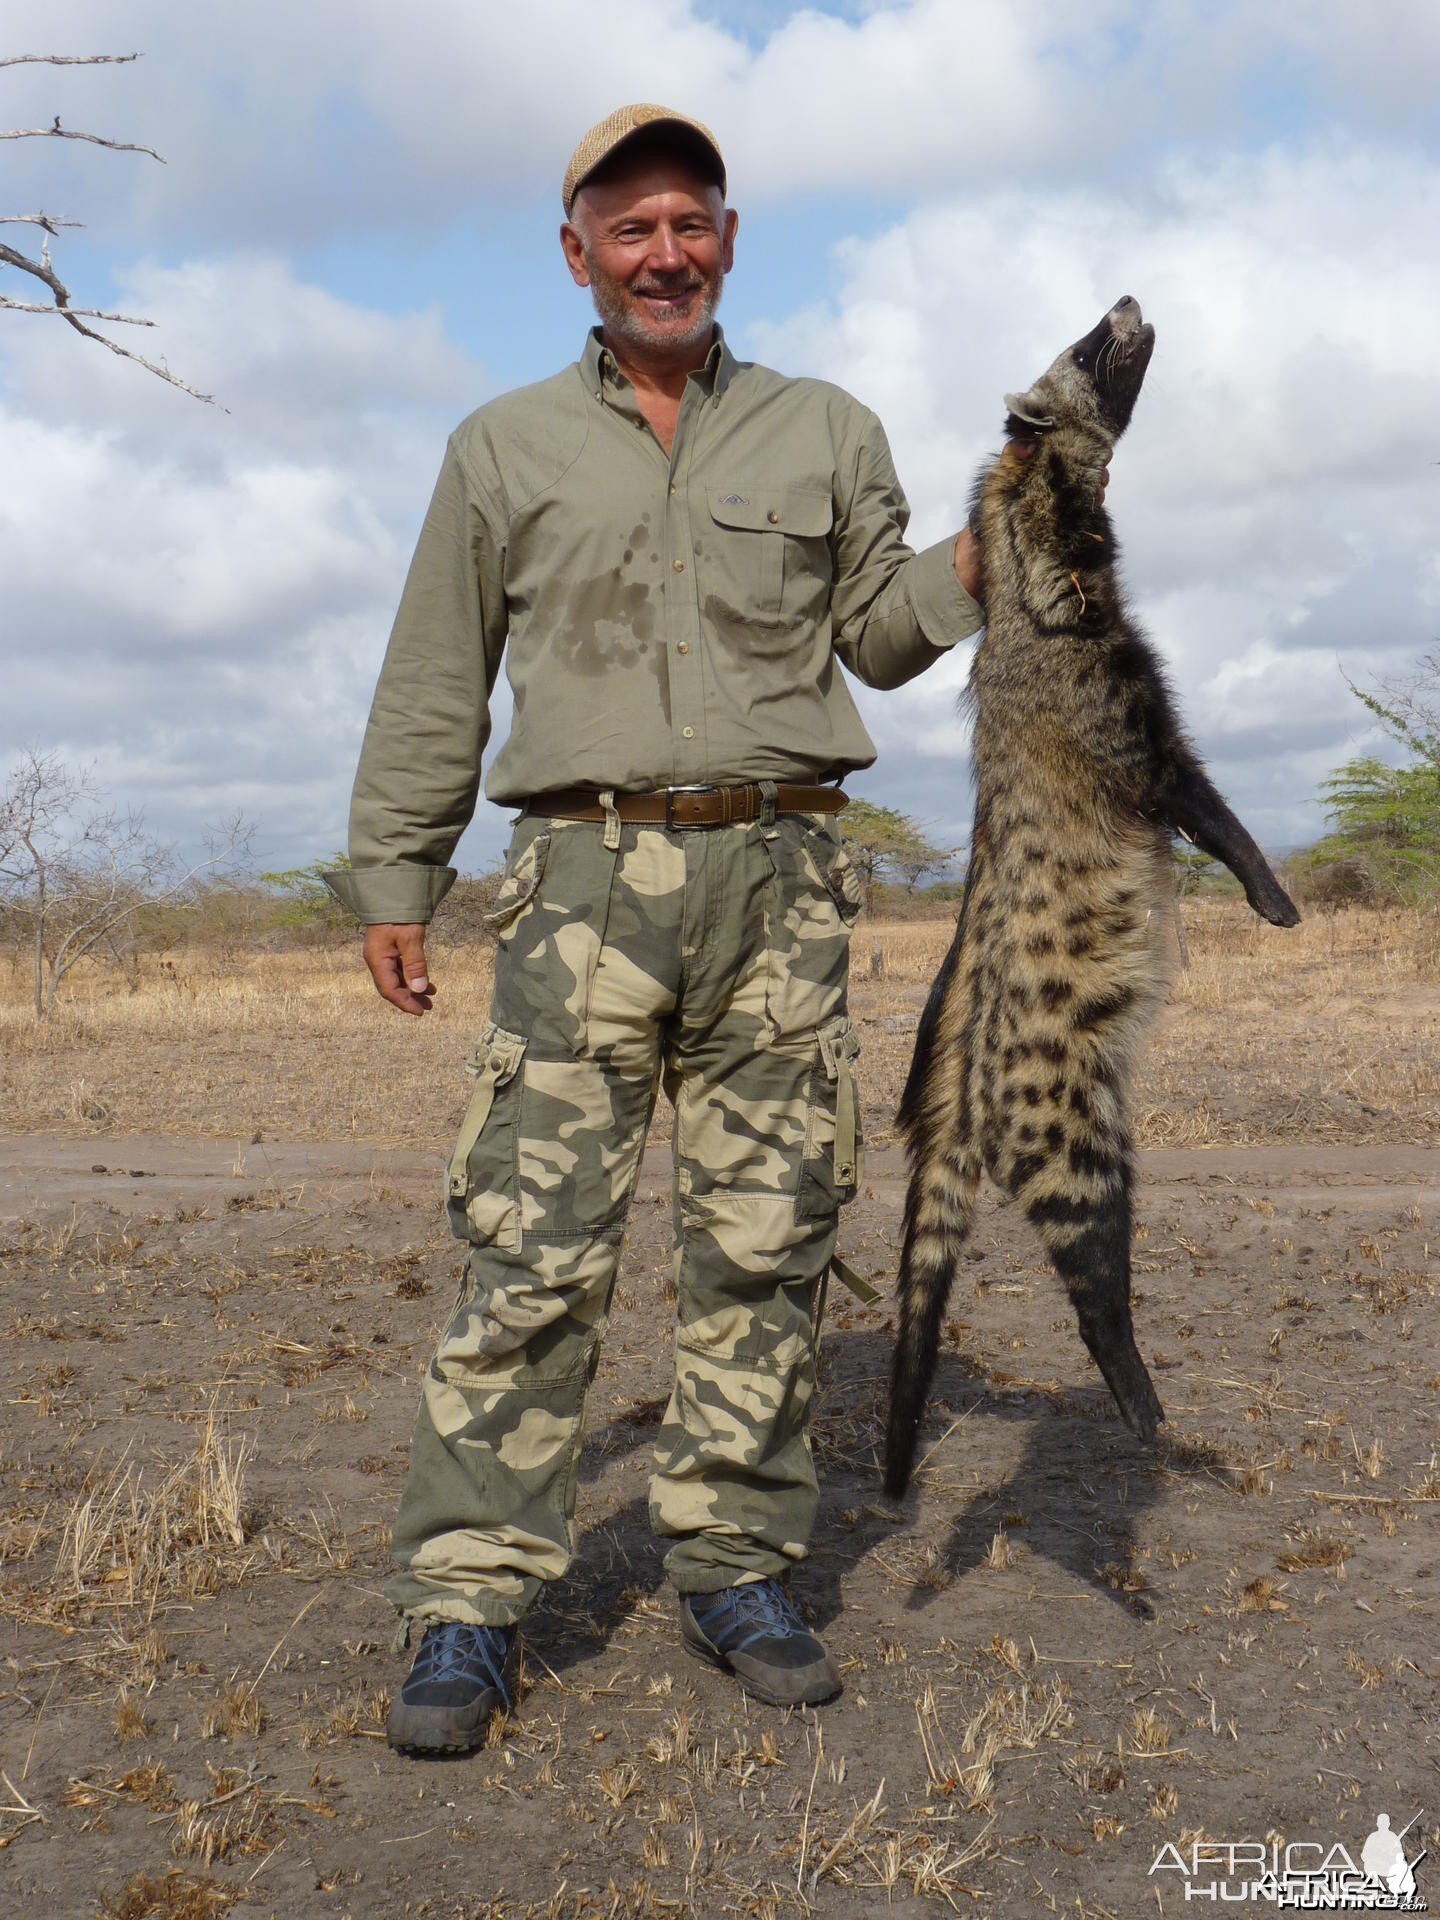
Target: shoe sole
(423, 1740)
(751, 1686)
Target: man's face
(653, 241)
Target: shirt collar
(599, 370)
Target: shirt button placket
(683, 627)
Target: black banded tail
(938, 1211)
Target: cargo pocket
(518, 885)
(834, 1147)
(482, 1178)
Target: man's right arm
(419, 772)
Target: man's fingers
(412, 959)
(395, 956)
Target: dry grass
(176, 1896)
(135, 1533)
(960, 1745)
(195, 1053)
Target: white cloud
(206, 596)
(1277, 492)
(202, 599)
(325, 116)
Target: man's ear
(573, 248)
(1028, 410)
(730, 226)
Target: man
(677, 547)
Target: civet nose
(1125, 300)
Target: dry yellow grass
(1330, 1031)
(133, 1533)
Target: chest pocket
(765, 558)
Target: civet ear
(1025, 408)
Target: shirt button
(687, 733)
(773, 517)
(683, 646)
(679, 566)
(674, 491)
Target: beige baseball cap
(616, 128)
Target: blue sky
(353, 242)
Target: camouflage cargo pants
(714, 962)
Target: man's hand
(395, 956)
(967, 563)
(967, 547)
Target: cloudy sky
(353, 242)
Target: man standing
(671, 549)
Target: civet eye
(1079, 359)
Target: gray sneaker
(753, 1631)
(460, 1676)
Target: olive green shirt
(663, 620)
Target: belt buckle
(671, 824)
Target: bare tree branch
(69, 313)
(66, 59)
(41, 269)
(56, 132)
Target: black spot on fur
(1025, 1169)
(1087, 1160)
(1103, 1007)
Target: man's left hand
(967, 547)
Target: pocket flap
(800, 510)
(494, 1059)
(521, 879)
(839, 1045)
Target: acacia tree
(40, 267)
(882, 841)
(77, 883)
(1410, 711)
(1384, 839)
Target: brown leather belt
(687, 806)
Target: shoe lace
(453, 1649)
(761, 1605)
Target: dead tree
(41, 268)
(74, 883)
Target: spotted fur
(1027, 1045)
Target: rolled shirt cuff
(399, 895)
(945, 611)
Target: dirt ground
(1063, 1653)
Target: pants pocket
(481, 1179)
(553, 909)
(520, 882)
(814, 896)
(834, 1144)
